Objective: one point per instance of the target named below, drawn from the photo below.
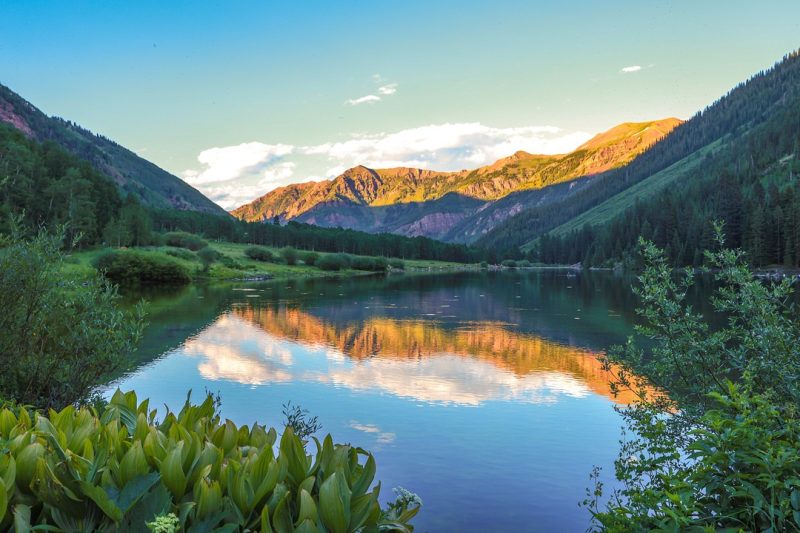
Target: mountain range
(452, 206)
(738, 160)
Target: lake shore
(237, 266)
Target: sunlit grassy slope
(618, 203)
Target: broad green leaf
(308, 509)
(266, 527)
(171, 469)
(22, 518)
(334, 504)
(3, 500)
(281, 518)
(361, 486)
(103, 500)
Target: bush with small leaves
(309, 258)
(208, 256)
(259, 253)
(60, 336)
(182, 253)
(289, 255)
(182, 239)
(132, 267)
(720, 451)
(371, 264)
(333, 262)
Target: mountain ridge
(371, 199)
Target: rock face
(154, 186)
(454, 206)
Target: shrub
(524, 263)
(60, 336)
(310, 258)
(208, 256)
(289, 255)
(372, 264)
(484, 264)
(125, 471)
(719, 452)
(229, 261)
(135, 267)
(333, 262)
(181, 253)
(182, 239)
(259, 253)
(397, 264)
(509, 263)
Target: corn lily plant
(123, 470)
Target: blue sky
(240, 97)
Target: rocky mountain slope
(132, 174)
(413, 201)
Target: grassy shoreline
(81, 263)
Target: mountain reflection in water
(467, 365)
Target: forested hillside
(745, 136)
(154, 186)
(45, 185)
(749, 182)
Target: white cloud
(232, 162)
(388, 90)
(370, 98)
(446, 146)
(278, 174)
(632, 68)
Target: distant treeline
(310, 237)
(47, 186)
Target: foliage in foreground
(125, 471)
(60, 336)
(721, 451)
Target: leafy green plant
(334, 262)
(124, 470)
(138, 267)
(182, 239)
(509, 263)
(289, 255)
(712, 440)
(309, 258)
(299, 420)
(372, 264)
(259, 253)
(182, 253)
(397, 264)
(60, 336)
(208, 256)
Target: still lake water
(480, 392)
